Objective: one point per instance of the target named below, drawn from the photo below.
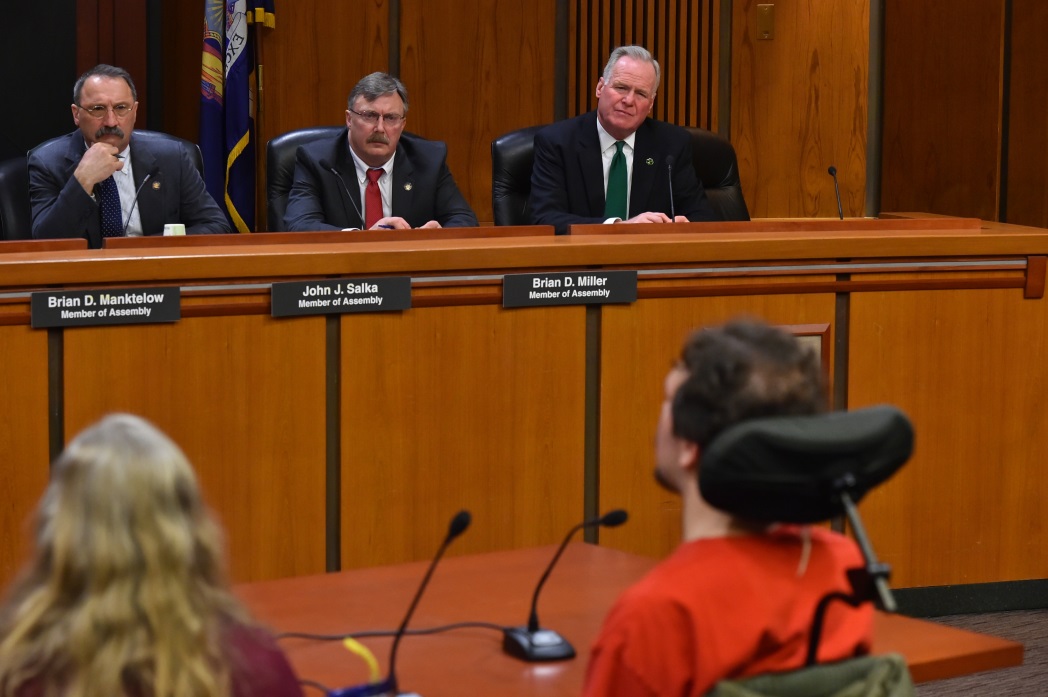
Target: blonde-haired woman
(125, 593)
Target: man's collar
(362, 167)
(607, 140)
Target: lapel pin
(407, 187)
(649, 161)
(156, 186)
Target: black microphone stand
(532, 643)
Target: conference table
(497, 587)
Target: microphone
(833, 173)
(327, 165)
(669, 173)
(457, 526)
(134, 202)
(530, 642)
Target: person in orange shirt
(737, 597)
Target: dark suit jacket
(423, 188)
(567, 179)
(175, 194)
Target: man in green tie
(616, 165)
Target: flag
(227, 118)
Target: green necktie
(615, 200)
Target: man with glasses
(615, 165)
(102, 181)
(373, 175)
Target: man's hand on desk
(652, 217)
(396, 223)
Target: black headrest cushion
(791, 469)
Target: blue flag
(227, 109)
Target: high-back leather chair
(280, 169)
(16, 221)
(718, 170)
(513, 154)
(16, 218)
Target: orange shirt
(728, 607)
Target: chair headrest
(792, 469)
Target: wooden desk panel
(244, 397)
(23, 440)
(451, 407)
(440, 370)
(640, 343)
(967, 366)
(497, 588)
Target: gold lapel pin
(649, 161)
(156, 186)
(407, 187)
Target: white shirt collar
(607, 140)
(362, 167)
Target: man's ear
(688, 455)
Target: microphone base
(536, 647)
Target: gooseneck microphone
(531, 642)
(669, 174)
(457, 526)
(152, 174)
(833, 173)
(324, 164)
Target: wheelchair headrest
(793, 469)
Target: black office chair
(718, 169)
(280, 169)
(513, 154)
(16, 221)
(805, 470)
(15, 210)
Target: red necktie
(372, 199)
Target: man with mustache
(84, 184)
(373, 175)
(611, 165)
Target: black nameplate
(89, 308)
(332, 296)
(574, 288)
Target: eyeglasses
(372, 117)
(99, 111)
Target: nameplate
(335, 296)
(574, 288)
(89, 308)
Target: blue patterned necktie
(109, 209)
(615, 199)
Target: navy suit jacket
(567, 179)
(423, 188)
(175, 193)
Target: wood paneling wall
(1026, 177)
(113, 31)
(476, 69)
(681, 34)
(942, 107)
(799, 104)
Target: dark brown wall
(942, 106)
(114, 32)
(1026, 201)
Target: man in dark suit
(102, 181)
(614, 165)
(373, 175)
